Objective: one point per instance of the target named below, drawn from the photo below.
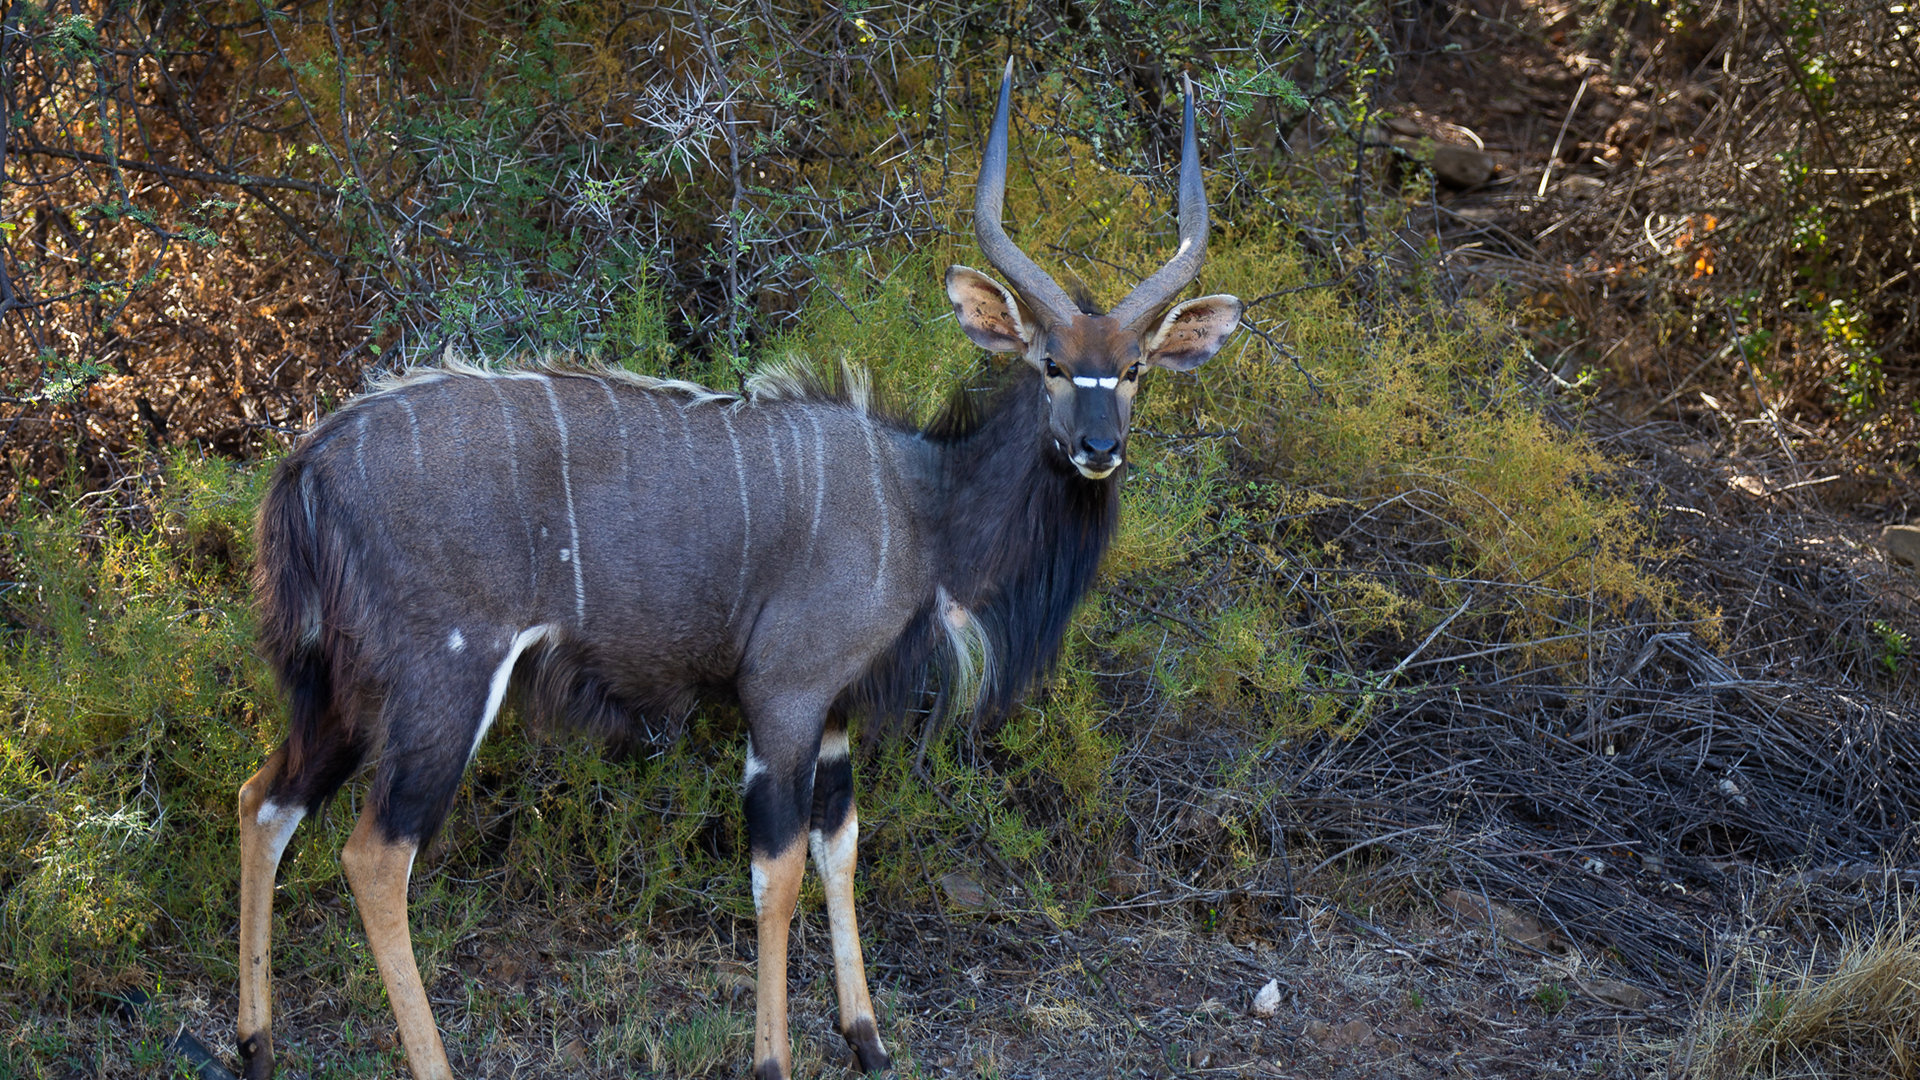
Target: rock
(1460, 166)
(1508, 923)
(1751, 486)
(1903, 543)
(1613, 992)
(965, 892)
(1267, 1001)
(1320, 1031)
(1402, 126)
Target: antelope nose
(1099, 447)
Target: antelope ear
(1192, 332)
(988, 311)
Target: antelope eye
(1133, 373)
(1054, 372)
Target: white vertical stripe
(746, 515)
(572, 554)
(879, 499)
(819, 483)
(779, 471)
(413, 426)
(360, 445)
(513, 480)
(497, 688)
(620, 421)
(799, 462)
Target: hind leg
(272, 803)
(434, 724)
(834, 837)
(378, 869)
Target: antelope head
(1091, 363)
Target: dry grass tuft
(1857, 1014)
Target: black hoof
(768, 1070)
(866, 1047)
(256, 1056)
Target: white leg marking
(513, 478)
(759, 876)
(573, 525)
(278, 823)
(746, 516)
(413, 425)
(879, 500)
(833, 746)
(834, 857)
(497, 689)
(819, 483)
(457, 641)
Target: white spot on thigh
(457, 641)
(755, 767)
(565, 554)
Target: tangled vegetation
(1390, 612)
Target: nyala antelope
(613, 548)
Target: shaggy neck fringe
(1021, 534)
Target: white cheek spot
(457, 641)
(565, 554)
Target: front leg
(835, 840)
(777, 794)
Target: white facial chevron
(1091, 381)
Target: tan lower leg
(834, 855)
(378, 870)
(776, 888)
(264, 831)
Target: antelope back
(668, 539)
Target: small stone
(1903, 543)
(1613, 992)
(965, 892)
(1267, 1001)
(1460, 166)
